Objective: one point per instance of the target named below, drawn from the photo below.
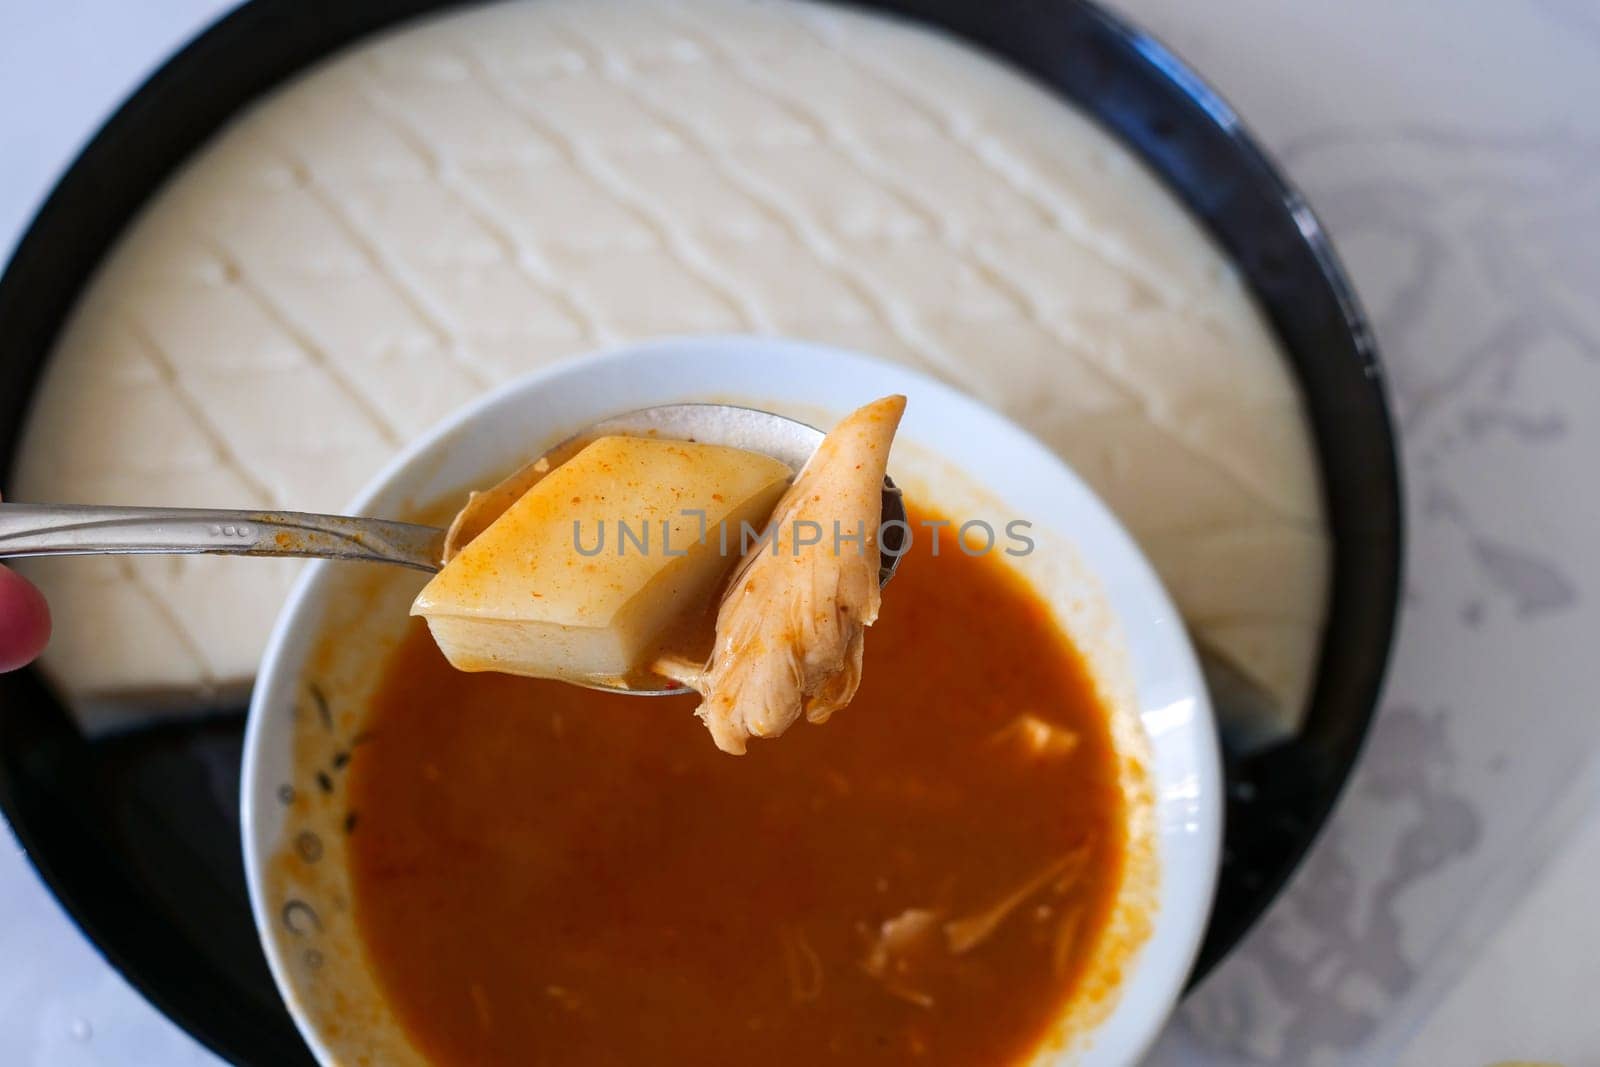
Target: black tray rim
(77, 187)
(1390, 511)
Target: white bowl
(307, 707)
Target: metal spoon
(80, 529)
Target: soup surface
(551, 875)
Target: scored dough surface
(454, 203)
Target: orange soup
(552, 875)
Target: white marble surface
(1454, 151)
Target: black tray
(137, 835)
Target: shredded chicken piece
(480, 1007)
(1073, 866)
(918, 944)
(563, 996)
(803, 964)
(1036, 738)
(964, 935)
(1066, 939)
(789, 631)
(900, 941)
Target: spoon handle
(76, 530)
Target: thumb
(24, 621)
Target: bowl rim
(1181, 917)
